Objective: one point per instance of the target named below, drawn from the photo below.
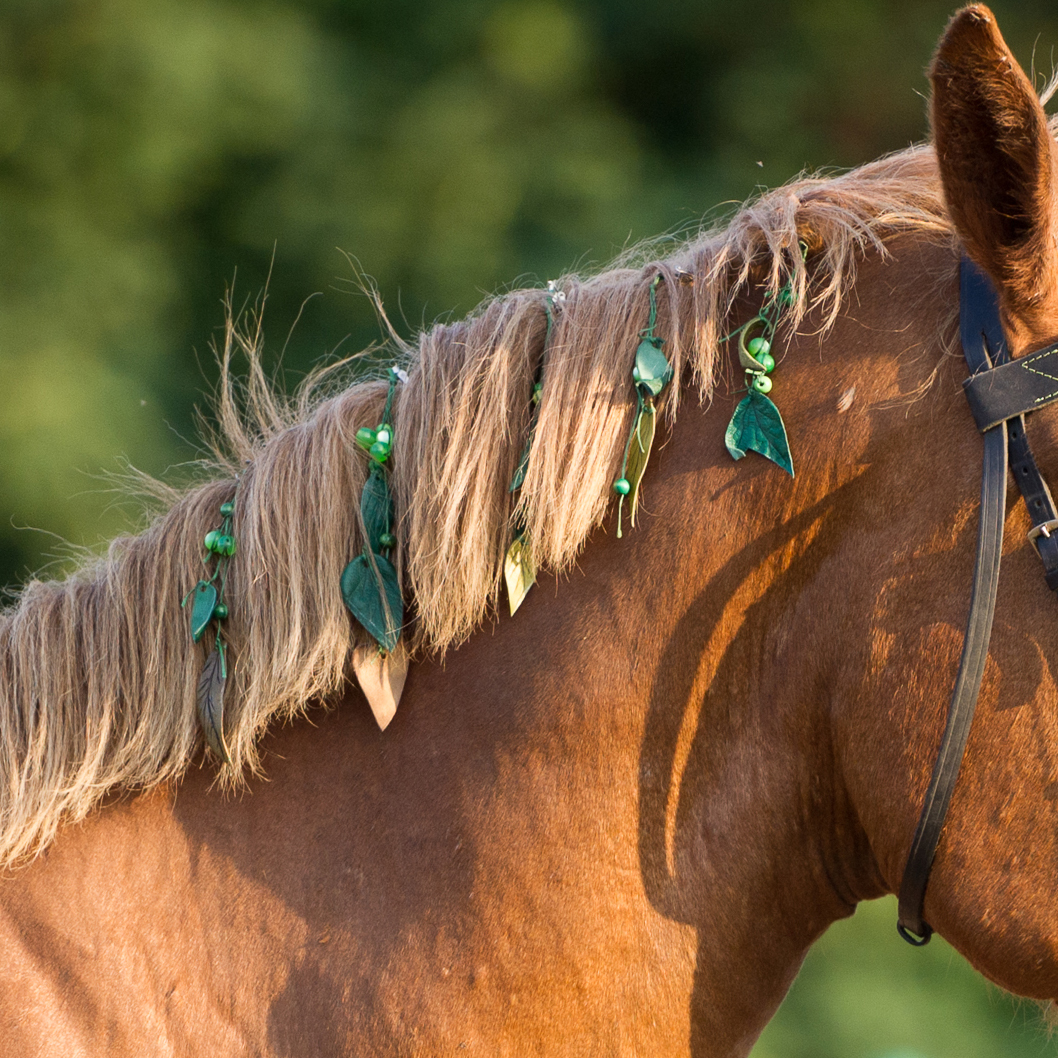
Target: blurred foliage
(154, 153)
(865, 993)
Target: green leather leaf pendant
(757, 426)
(376, 508)
(374, 599)
(652, 372)
(519, 571)
(204, 602)
(210, 701)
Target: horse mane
(98, 671)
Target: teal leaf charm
(374, 599)
(210, 701)
(653, 372)
(376, 508)
(205, 602)
(757, 426)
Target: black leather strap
(964, 698)
(982, 340)
(1000, 393)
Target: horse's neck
(783, 758)
(795, 714)
(672, 694)
(880, 605)
(698, 745)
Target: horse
(615, 821)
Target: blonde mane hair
(98, 672)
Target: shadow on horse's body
(616, 822)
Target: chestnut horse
(616, 822)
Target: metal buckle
(1043, 529)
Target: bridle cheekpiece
(1001, 392)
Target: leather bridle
(1000, 392)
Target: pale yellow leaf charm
(381, 678)
(638, 454)
(519, 570)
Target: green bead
(387, 540)
(211, 539)
(758, 347)
(365, 437)
(220, 611)
(379, 452)
(622, 486)
(227, 509)
(384, 436)
(786, 296)
(225, 545)
(767, 361)
(761, 383)
(636, 376)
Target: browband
(1012, 388)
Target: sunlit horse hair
(98, 673)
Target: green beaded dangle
(369, 583)
(651, 373)
(519, 567)
(208, 607)
(756, 425)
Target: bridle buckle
(1044, 529)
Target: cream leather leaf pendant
(519, 571)
(639, 454)
(381, 679)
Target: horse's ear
(999, 168)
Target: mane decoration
(208, 608)
(756, 424)
(97, 684)
(370, 586)
(519, 567)
(369, 583)
(651, 373)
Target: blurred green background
(154, 152)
